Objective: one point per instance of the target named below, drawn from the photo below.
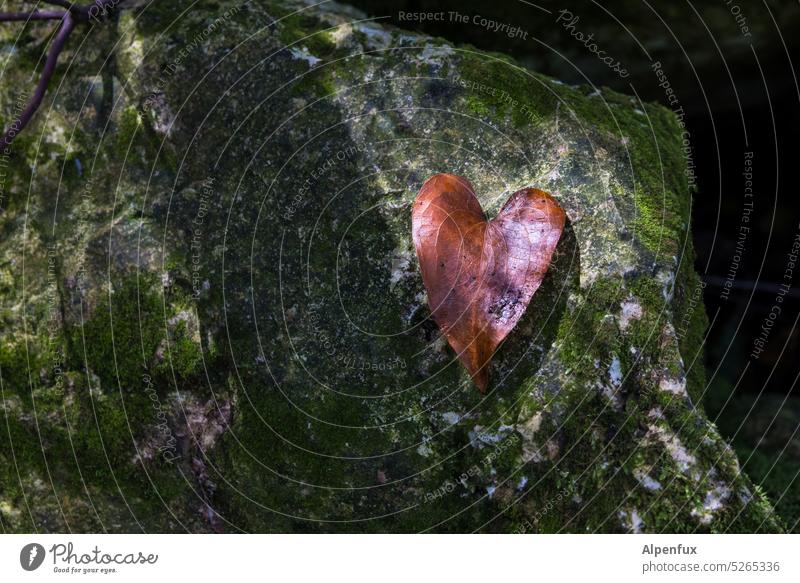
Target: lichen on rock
(231, 260)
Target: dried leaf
(480, 275)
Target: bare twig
(33, 15)
(96, 11)
(67, 24)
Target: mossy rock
(220, 263)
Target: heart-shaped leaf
(480, 275)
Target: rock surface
(213, 318)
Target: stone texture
(213, 318)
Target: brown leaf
(481, 275)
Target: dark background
(740, 94)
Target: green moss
(14, 368)
(477, 106)
(184, 356)
(498, 85)
(650, 137)
(691, 323)
(122, 335)
(315, 84)
(128, 125)
(303, 30)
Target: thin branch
(63, 3)
(96, 11)
(33, 15)
(83, 12)
(67, 25)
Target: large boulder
(213, 317)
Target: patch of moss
(315, 83)
(129, 124)
(303, 30)
(15, 367)
(498, 85)
(123, 334)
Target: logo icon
(31, 556)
